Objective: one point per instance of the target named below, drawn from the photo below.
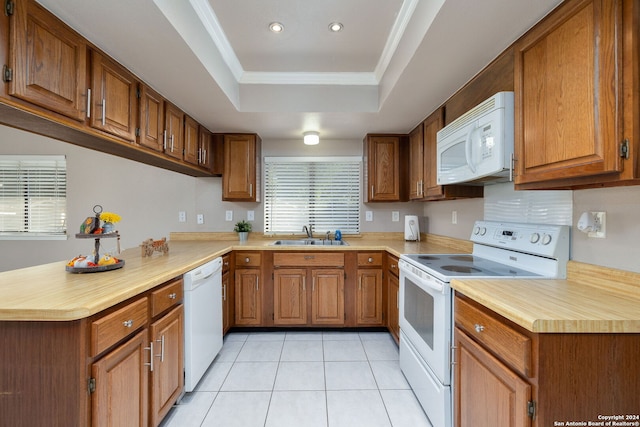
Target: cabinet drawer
(248, 259)
(226, 263)
(370, 259)
(167, 296)
(113, 327)
(393, 265)
(505, 342)
(311, 259)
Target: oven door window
(419, 311)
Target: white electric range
(500, 250)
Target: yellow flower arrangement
(110, 217)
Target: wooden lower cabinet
(508, 376)
(369, 297)
(248, 297)
(121, 385)
(294, 305)
(167, 374)
(488, 392)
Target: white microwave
(477, 147)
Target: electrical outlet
(228, 216)
(200, 219)
(395, 216)
(601, 220)
(251, 215)
(454, 217)
(182, 216)
(369, 216)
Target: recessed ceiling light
(335, 27)
(276, 27)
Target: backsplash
(503, 203)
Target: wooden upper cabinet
(113, 98)
(384, 180)
(241, 167)
(416, 163)
(173, 130)
(192, 150)
(48, 61)
(151, 118)
(568, 93)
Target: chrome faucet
(308, 230)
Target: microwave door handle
(468, 147)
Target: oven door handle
(423, 282)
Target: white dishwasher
(203, 320)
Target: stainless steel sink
(309, 242)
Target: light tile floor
(300, 379)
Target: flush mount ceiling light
(334, 27)
(311, 138)
(276, 27)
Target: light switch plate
(251, 215)
(228, 216)
(200, 219)
(395, 216)
(369, 216)
(182, 216)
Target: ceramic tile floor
(300, 379)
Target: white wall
(149, 199)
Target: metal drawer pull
(150, 364)
(128, 323)
(479, 328)
(172, 296)
(247, 260)
(370, 260)
(309, 257)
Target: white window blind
(33, 197)
(324, 192)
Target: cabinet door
(205, 146)
(487, 393)
(327, 297)
(121, 378)
(382, 181)
(114, 103)
(167, 377)
(239, 177)
(290, 297)
(226, 302)
(416, 164)
(568, 94)
(151, 118)
(369, 297)
(173, 130)
(393, 306)
(48, 61)
(432, 125)
(248, 297)
(192, 150)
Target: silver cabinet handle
(104, 111)
(172, 296)
(224, 292)
(360, 283)
(251, 190)
(313, 285)
(164, 140)
(161, 355)
(257, 283)
(204, 155)
(172, 143)
(370, 260)
(247, 260)
(479, 328)
(88, 103)
(127, 323)
(303, 284)
(372, 191)
(150, 364)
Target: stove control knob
(535, 237)
(546, 239)
(476, 230)
(483, 231)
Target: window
(33, 197)
(324, 192)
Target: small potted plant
(242, 228)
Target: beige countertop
(48, 292)
(593, 299)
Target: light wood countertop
(47, 292)
(593, 299)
